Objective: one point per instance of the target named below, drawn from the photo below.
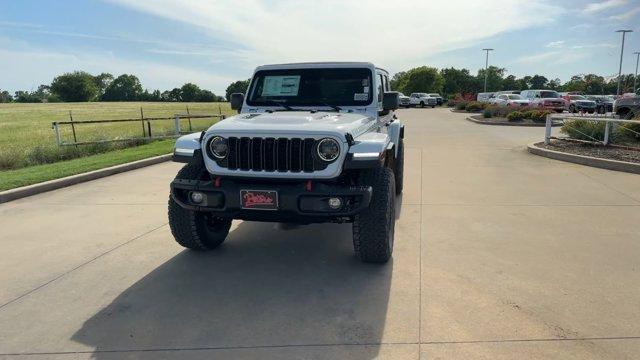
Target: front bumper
(297, 202)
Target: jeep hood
(294, 122)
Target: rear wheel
(196, 230)
(373, 228)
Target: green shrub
(586, 130)
(539, 116)
(475, 106)
(487, 113)
(461, 105)
(629, 132)
(515, 116)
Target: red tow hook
(309, 185)
(216, 182)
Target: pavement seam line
(79, 266)
(248, 347)
(420, 262)
(609, 187)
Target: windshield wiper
(334, 107)
(284, 106)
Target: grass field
(27, 140)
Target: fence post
(56, 128)
(547, 130)
(607, 127)
(142, 121)
(73, 128)
(177, 124)
(188, 113)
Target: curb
(21, 192)
(500, 123)
(615, 165)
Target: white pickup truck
(422, 100)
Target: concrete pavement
(499, 254)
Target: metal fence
(610, 122)
(146, 128)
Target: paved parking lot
(499, 254)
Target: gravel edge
(21, 192)
(601, 163)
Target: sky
(215, 42)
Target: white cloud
(378, 31)
(555, 44)
(40, 66)
(625, 16)
(604, 5)
(556, 57)
(590, 46)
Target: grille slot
(272, 154)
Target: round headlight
(328, 149)
(219, 147)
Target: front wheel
(373, 228)
(196, 230)
(422, 104)
(398, 169)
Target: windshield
(549, 94)
(514, 97)
(311, 87)
(577, 97)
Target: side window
(386, 83)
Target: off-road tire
(398, 168)
(373, 228)
(421, 104)
(196, 230)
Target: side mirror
(391, 100)
(237, 99)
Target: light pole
(624, 32)
(486, 68)
(635, 77)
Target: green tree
(102, 82)
(538, 82)
(75, 86)
(206, 96)
(5, 96)
(239, 86)
(123, 88)
(523, 83)
(422, 79)
(189, 92)
(510, 83)
(457, 81)
(494, 78)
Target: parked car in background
(509, 100)
(422, 100)
(439, 100)
(484, 97)
(576, 103)
(627, 107)
(604, 103)
(547, 99)
(404, 100)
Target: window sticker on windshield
(365, 82)
(360, 97)
(365, 90)
(281, 85)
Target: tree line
(452, 81)
(79, 86)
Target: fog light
(196, 197)
(335, 203)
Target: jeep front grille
(272, 154)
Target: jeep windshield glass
(549, 94)
(311, 87)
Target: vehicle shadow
(263, 287)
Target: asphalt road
(499, 254)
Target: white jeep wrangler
(422, 100)
(313, 142)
